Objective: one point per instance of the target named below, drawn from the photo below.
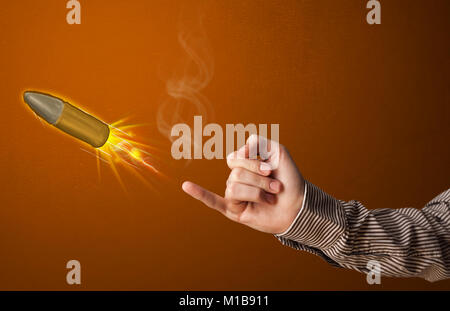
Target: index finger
(208, 198)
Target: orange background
(363, 109)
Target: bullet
(68, 118)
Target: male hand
(264, 194)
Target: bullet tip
(46, 106)
(27, 96)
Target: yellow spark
(120, 149)
(135, 153)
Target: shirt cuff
(320, 222)
(280, 235)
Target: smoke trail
(184, 98)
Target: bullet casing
(83, 126)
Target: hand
(264, 194)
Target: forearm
(407, 242)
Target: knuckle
(231, 158)
(237, 173)
(229, 161)
(231, 177)
(255, 165)
(227, 192)
(264, 183)
(252, 138)
(231, 189)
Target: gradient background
(363, 109)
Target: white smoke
(183, 98)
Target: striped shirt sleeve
(407, 242)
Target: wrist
(298, 207)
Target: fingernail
(275, 186)
(264, 167)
